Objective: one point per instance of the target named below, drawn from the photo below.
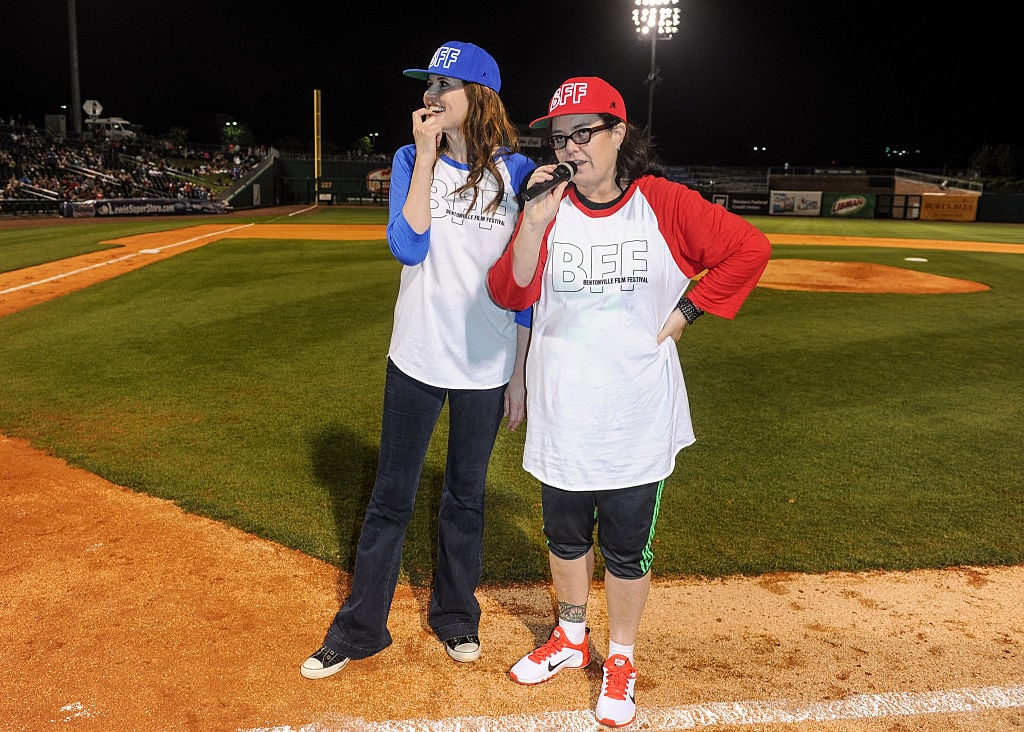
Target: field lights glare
(660, 16)
(654, 20)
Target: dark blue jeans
(411, 411)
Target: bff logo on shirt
(622, 266)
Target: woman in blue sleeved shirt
(453, 208)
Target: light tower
(654, 20)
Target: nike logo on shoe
(553, 666)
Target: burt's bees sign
(948, 207)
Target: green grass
(243, 381)
(30, 246)
(832, 226)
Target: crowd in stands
(36, 164)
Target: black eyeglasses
(580, 137)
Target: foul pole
(317, 162)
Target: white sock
(615, 648)
(575, 632)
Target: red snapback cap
(583, 95)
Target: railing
(28, 207)
(942, 181)
(710, 178)
(359, 158)
(242, 183)
(89, 172)
(37, 192)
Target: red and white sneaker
(616, 707)
(557, 653)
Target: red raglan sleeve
(706, 237)
(502, 283)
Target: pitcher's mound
(806, 274)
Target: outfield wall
(846, 194)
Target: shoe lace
(617, 681)
(553, 645)
(325, 655)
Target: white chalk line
(36, 283)
(701, 716)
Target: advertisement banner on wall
(948, 207)
(848, 205)
(744, 204)
(795, 203)
(140, 207)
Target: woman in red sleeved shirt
(609, 262)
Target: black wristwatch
(690, 311)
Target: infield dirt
(122, 612)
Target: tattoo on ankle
(572, 613)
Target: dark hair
(488, 132)
(636, 155)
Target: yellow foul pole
(317, 162)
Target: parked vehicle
(110, 128)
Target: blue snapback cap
(464, 61)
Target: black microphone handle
(563, 172)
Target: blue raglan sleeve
(407, 246)
(519, 168)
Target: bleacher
(40, 170)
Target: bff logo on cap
(464, 61)
(583, 95)
(571, 92)
(445, 57)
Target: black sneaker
(464, 648)
(323, 663)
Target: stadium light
(654, 20)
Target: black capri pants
(624, 518)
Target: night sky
(819, 84)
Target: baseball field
(185, 455)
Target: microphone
(563, 172)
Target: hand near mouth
(426, 131)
